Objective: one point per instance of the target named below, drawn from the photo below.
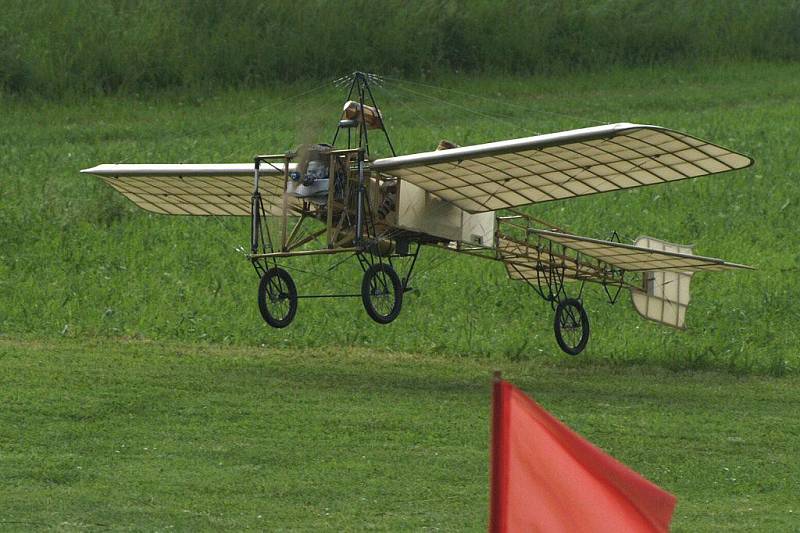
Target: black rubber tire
(381, 280)
(571, 318)
(275, 290)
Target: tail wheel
(382, 293)
(277, 297)
(571, 326)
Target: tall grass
(53, 47)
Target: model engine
(310, 180)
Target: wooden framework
(338, 214)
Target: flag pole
(497, 474)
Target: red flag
(545, 477)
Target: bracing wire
(458, 106)
(498, 101)
(308, 110)
(402, 101)
(273, 105)
(260, 110)
(201, 131)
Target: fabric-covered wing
(525, 262)
(194, 189)
(504, 174)
(637, 258)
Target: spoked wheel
(571, 326)
(382, 293)
(277, 297)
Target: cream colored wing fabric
(637, 258)
(665, 296)
(194, 189)
(492, 176)
(527, 263)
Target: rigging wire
(200, 131)
(446, 258)
(257, 134)
(430, 126)
(390, 233)
(495, 100)
(239, 248)
(402, 101)
(457, 106)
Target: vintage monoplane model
(336, 199)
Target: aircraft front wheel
(382, 293)
(571, 326)
(277, 297)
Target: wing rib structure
(632, 258)
(193, 189)
(506, 174)
(596, 260)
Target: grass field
(77, 260)
(152, 436)
(140, 388)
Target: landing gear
(382, 293)
(384, 281)
(277, 297)
(571, 326)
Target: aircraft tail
(664, 296)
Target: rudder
(664, 296)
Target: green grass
(160, 436)
(77, 260)
(56, 47)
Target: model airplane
(383, 210)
